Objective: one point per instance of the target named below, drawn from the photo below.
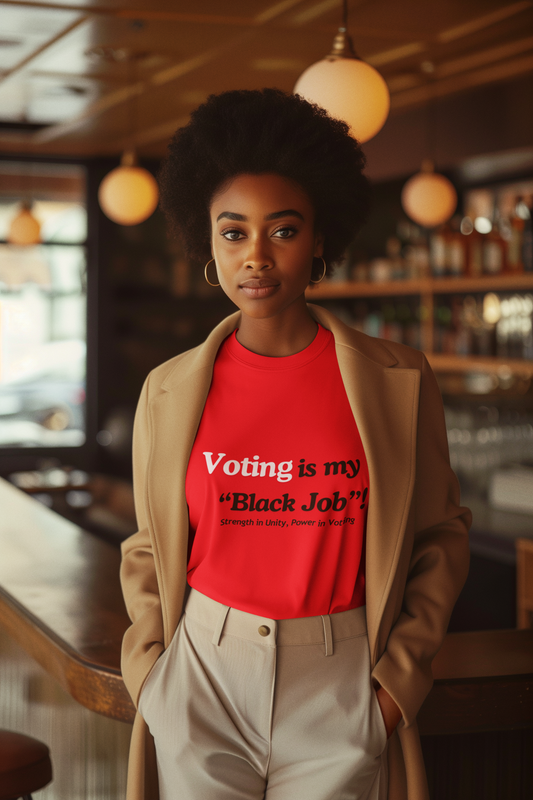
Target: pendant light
(129, 193)
(428, 198)
(24, 229)
(347, 87)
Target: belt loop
(328, 636)
(217, 634)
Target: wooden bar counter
(60, 599)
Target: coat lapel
(175, 415)
(384, 401)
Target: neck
(283, 335)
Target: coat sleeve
(438, 564)
(143, 640)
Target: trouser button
(264, 630)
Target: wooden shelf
(441, 362)
(487, 283)
(426, 289)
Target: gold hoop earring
(205, 274)
(324, 273)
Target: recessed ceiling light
(428, 67)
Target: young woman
(301, 543)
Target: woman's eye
(285, 233)
(232, 236)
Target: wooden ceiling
(77, 78)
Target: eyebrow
(288, 212)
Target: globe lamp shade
(429, 199)
(128, 194)
(24, 228)
(348, 89)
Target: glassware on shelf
(514, 328)
(490, 325)
(485, 438)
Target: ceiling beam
(419, 94)
(445, 69)
(41, 49)
(151, 15)
(486, 21)
(160, 78)
(119, 96)
(447, 77)
(156, 133)
(456, 83)
(483, 57)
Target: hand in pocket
(389, 710)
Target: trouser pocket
(149, 689)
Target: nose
(258, 256)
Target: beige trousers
(243, 707)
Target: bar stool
(25, 765)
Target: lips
(258, 283)
(257, 288)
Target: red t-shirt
(277, 485)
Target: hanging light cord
(344, 15)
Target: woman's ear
(319, 245)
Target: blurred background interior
(88, 306)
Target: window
(43, 304)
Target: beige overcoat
(417, 534)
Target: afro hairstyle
(261, 132)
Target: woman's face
(263, 241)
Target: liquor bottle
(472, 319)
(462, 332)
(391, 329)
(474, 262)
(404, 232)
(405, 320)
(494, 249)
(514, 248)
(374, 324)
(456, 250)
(527, 237)
(420, 255)
(444, 335)
(394, 253)
(422, 258)
(360, 271)
(437, 251)
(360, 313)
